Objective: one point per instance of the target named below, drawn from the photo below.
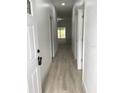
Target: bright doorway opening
(61, 32)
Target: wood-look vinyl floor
(63, 77)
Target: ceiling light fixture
(63, 4)
(59, 19)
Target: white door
(33, 59)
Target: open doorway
(61, 35)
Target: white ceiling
(68, 5)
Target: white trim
(84, 85)
(83, 43)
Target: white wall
(89, 42)
(77, 34)
(44, 11)
(54, 29)
(90, 46)
(74, 30)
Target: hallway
(63, 77)
(61, 46)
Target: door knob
(39, 60)
(38, 50)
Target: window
(61, 31)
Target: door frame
(51, 36)
(83, 42)
(79, 40)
